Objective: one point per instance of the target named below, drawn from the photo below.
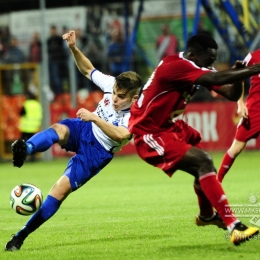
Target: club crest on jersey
(115, 122)
(106, 102)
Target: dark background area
(7, 6)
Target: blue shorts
(90, 157)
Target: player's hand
(70, 37)
(84, 114)
(242, 111)
(238, 64)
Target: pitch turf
(131, 210)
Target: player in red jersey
(173, 145)
(249, 125)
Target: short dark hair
(201, 42)
(129, 81)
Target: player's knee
(235, 151)
(206, 165)
(61, 130)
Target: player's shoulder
(180, 63)
(104, 81)
(250, 58)
(172, 61)
(98, 74)
(172, 58)
(256, 54)
(179, 59)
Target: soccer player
(172, 144)
(249, 125)
(94, 137)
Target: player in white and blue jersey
(94, 137)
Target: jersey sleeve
(252, 58)
(105, 82)
(248, 59)
(214, 87)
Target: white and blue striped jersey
(106, 112)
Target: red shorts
(248, 128)
(165, 149)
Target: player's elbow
(232, 95)
(235, 97)
(122, 136)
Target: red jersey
(165, 95)
(252, 100)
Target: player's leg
(200, 161)
(40, 142)
(81, 168)
(58, 193)
(206, 216)
(246, 130)
(229, 158)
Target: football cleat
(215, 220)
(14, 244)
(241, 233)
(19, 150)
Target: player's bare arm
(242, 109)
(116, 133)
(228, 76)
(83, 63)
(231, 92)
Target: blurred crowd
(103, 42)
(107, 50)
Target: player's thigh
(187, 133)
(164, 150)
(248, 128)
(196, 162)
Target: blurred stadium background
(234, 24)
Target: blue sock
(42, 141)
(49, 207)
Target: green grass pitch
(130, 210)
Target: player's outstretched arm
(116, 133)
(83, 63)
(231, 92)
(228, 76)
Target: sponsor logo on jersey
(101, 113)
(116, 122)
(106, 101)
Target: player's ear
(192, 56)
(135, 97)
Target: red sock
(216, 195)
(206, 209)
(227, 162)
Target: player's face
(121, 100)
(206, 59)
